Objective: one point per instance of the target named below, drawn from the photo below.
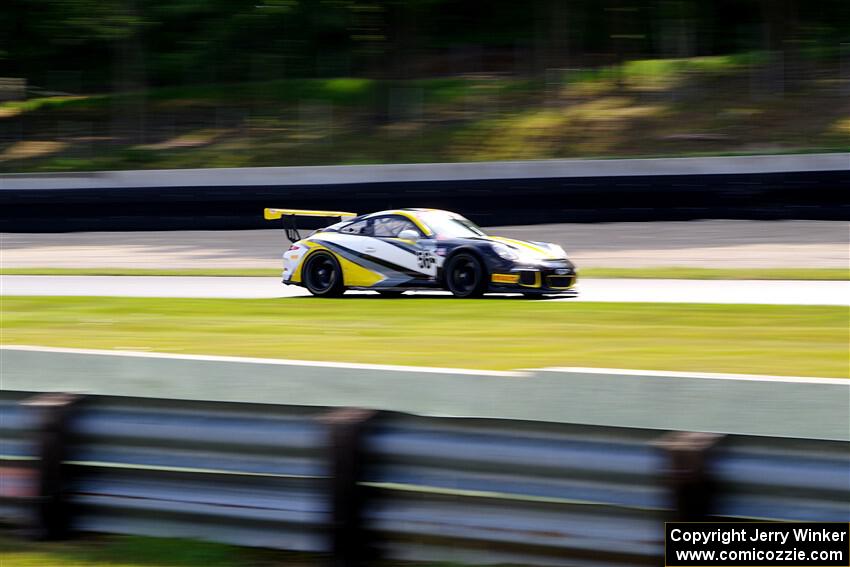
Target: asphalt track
(618, 290)
(705, 244)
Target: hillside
(698, 106)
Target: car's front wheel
(323, 275)
(465, 276)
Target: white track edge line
(523, 373)
(269, 361)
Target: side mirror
(409, 234)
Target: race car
(417, 249)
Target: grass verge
(133, 551)
(126, 551)
(678, 273)
(485, 333)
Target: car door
(397, 255)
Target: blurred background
(131, 84)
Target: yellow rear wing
(288, 216)
(274, 214)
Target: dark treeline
(85, 45)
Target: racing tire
(390, 293)
(322, 275)
(466, 276)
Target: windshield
(451, 226)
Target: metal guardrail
(478, 491)
(484, 491)
(18, 452)
(243, 474)
(783, 479)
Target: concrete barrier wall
(816, 408)
(425, 172)
(495, 193)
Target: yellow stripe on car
(357, 275)
(570, 279)
(311, 247)
(521, 243)
(537, 281)
(425, 230)
(353, 274)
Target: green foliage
(229, 83)
(131, 551)
(86, 45)
(673, 107)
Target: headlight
(505, 252)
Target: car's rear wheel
(465, 276)
(323, 276)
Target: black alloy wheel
(323, 276)
(465, 276)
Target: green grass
(678, 273)
(132, 551)
(124, 551)
(487, 333)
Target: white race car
(414, 249)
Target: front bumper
(548, 278)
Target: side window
(360, 227)
(390, 226)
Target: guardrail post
(51, 515)
(351, 544)
(687, 475)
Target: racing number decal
(426, 260)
